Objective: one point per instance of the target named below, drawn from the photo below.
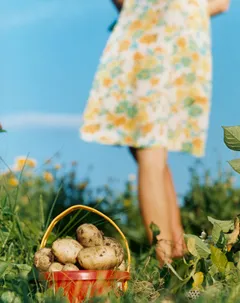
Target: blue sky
(48, 56)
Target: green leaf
(24, 269)
(235, 164)
(226, 226)
(197, 247)
(216, 232)
(10, 296)
(219, 259)
(232, 137)
(230, 266)
(218, 236)
(213, 270)
(155, 232)
(3, 267)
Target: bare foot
(164, 249)
(179, 245)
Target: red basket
(83, 284)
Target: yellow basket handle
(76, 207)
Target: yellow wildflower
(126, 202)
(13, 181)
(198, 279)
(48, 177)
(57, 166)
(21, 162)
(82, 185)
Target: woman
(152, 93)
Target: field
(31, 196)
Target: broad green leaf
(216, 232)
(232, 137)
(218, 236)
(226, 226)
(230, 266)
(213, 270)
(235, 164)
(24, 269)
(198, 279)
(218, 258)
(197, 247)
(3, 267)
(10, 296)
(191, 245)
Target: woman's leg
(175, 217)
(153, 198)
(176, 224)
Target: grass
(29, 200)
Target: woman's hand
(118, 4)
(216, 7)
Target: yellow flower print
(154, 81)
(179, 81)
(197, 145)
(201, 100)
(138, 56)
(91, 113)
(149, 62)
(128, 140)
(116, 120)
(92, 128)
(107, 82)
(147, 128)
(206, 66)
(195, 56)
(145, 99)
(13, 181)
(148, 39)
(142, 116)
(48, 177)
(135, 25)
(181, 94)
(121, 84)
(105, 140)
(174, 108)
(124, 45)
(116, 95)
(155, 51)
(130, 125)
(170, 29)
(186, 132)
(182, 42)
(194, 126)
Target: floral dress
(153, 83)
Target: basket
(84, 284)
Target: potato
(66, 250)
(111, 242)
(43, 259)
(55, 266)
(122, 266)
(89, 235)
(98, 257)
(70, 267)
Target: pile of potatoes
(91, 251)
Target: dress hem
(97, 139)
